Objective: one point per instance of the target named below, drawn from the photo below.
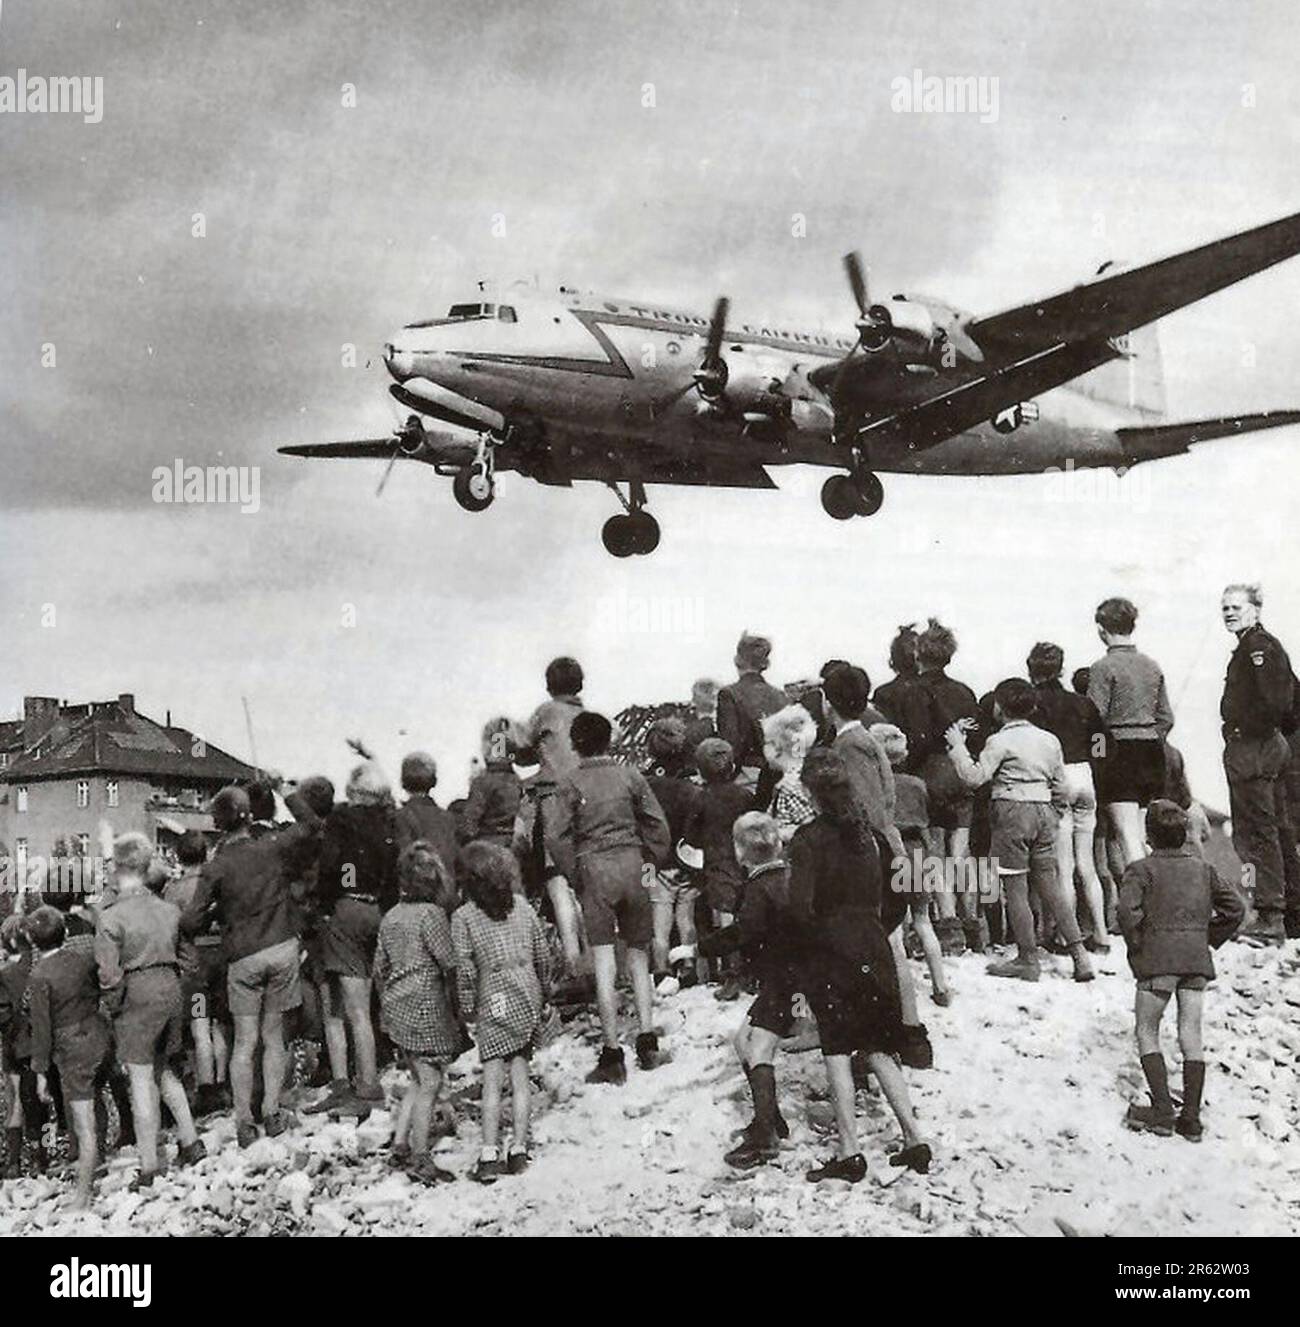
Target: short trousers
(265, 982)
(672, 887)
(773, 1010)
(1167, 985)
(1081, 811)
(614, 901)
(79, 1052)
(852, 1012)
(348, 939)
(955, 814)
(1133, 771)
(148, 1028)
(413, 1060)
(722, 891)
(1021, 833)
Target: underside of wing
(1113, 305)
(1149, 442)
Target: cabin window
(506, 314)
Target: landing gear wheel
(840, 498)
(619, 535)
(473, 489)
(870, 492)
(644, 532)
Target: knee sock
(1193, 1085)
(1153, 1066)
(14, 1146)
(762, 1082)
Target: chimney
(40, 714)
(126, 702)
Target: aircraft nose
(401, 363)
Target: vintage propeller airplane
(578, 387)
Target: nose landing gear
(636, 532)
(475, 488)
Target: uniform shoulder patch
(1257, 658)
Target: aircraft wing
(363, 447)
(1113, 305)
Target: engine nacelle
(754, 390)
(912, 320)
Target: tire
(645, 533)
(840, 498)
(619, 536)
(462, 490)
(869, 492)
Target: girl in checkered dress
(503, 979)
(788, 736)
(414, 963)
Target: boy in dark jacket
(722, 801)
(609, 834)
(766, 934)
(494, 793)
(675, 891)
(68, 1031)
(16, 1038)
(1173, 908)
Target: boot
(1189, 1122)
(1082, 964)
(1267, 928)
(13, 1154)
(647, 1050)
(1158, 1117)
(609, 1068)
(1026, 969)
(758, 1144)
(340, 1090)
(853, 1169)
(952, 938)
(975, 933)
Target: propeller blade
(388, 470)
(717, 329)
(857, 280)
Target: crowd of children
(775, 842)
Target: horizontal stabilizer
(1147, 442)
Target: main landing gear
(858, 494)
(636, 532)
(475, 487)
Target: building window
(83, 845)
(20, 854)
(83, 792)
(22, 800)
(110, 789)
(4, 759)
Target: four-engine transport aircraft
(579, 387)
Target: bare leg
(205, 1068)
(424, 1087)
(356, 1009)
(662, 912)
(83, 1123)
(336, 1032)
(638, 965)
(929, 946)
(893, 1085)
(241, 1065)
(839, 1077)
(521, 1098)
(906, 981)
(1148, 1010)
(274, 1059)
(493, 1072)
(565, 907)
(1190, 1005)
(172, 1092)
(402, 1125)
(959, 855)
(144, 1111)
(605, 961)
(1092, 895)
(1126, 819)
(760, 1046)
(1065, 859)
(220, 1051)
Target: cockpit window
(471, 311)
(506, 314)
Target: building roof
(111, 737)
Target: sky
(200, 260)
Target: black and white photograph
(650, 618)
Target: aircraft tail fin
(1135, 381)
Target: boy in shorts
(68, 1030)
(1173, 908)
(610, 833)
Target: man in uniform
(1257, 708)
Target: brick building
(64, 768)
